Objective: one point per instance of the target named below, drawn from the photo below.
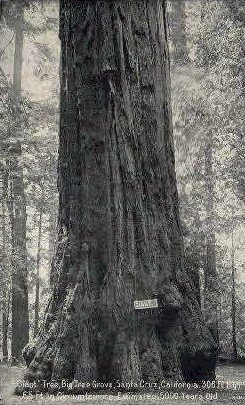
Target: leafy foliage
(207, 100)
(37, 134)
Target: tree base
(151, 348)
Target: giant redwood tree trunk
(119, 231)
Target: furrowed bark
(119, 237)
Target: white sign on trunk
(146, 304)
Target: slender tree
(51, 232)
(5, 324)
(37, 298)
(210, 272)
(178, 33)
(119, 237)
(233, 295)
(5, 288)
(20, 322)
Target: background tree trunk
(5, 325)
(20, 321)
(178, 33)
(210, 273)
(233, 297)
(52, 233)
(37, 298)
(119, 231)
(5, 293)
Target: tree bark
(5, 325)
(178, 33)
(52, 227)
(6, 288)
(37, 295)
(233, 298)
(119, 237)
(20, 321)
(210, 272)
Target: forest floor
(230, 391)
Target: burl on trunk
(119, 231)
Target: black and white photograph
(122, 191)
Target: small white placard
(146, 304)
